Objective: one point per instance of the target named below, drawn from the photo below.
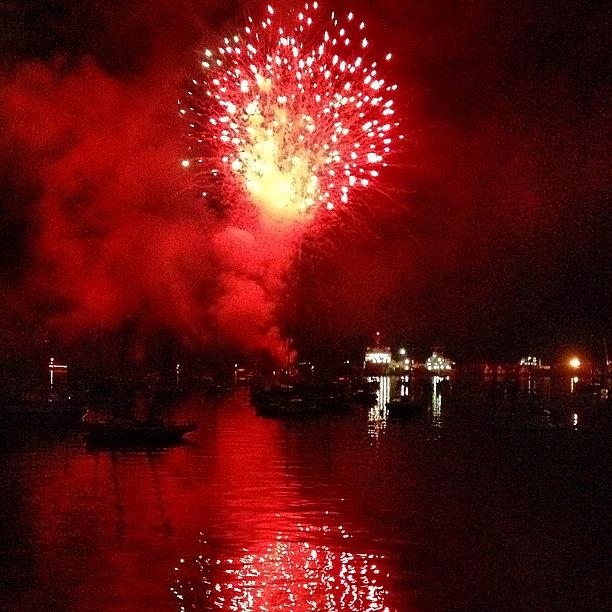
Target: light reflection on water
(377, 415)
(314, 572)
(392, 524)
(403, 386)
(436, 401)
(293, 555)
(404, 382)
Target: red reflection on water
(232, 505)
(313, 573)
(288, 562)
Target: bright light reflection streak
(436, 402)
(573, 382)
(377, 415)
(289, 575)
(404, 388)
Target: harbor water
(350, 510)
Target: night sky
(492, 238)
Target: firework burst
(292, 115)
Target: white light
(378, 357)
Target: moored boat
(284, 400)
(365, 397)
(406, 407)
(109, 429)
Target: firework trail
(290, 117)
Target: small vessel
(292, 406)
(283, 400)
(406, 407)
(114, 430)
(378, 358)
(365, 397)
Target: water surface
(350, 511)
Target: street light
(402, 351)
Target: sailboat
(135, 421)
(115, 430)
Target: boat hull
(135, 434)
(405, 409)
(287, 408)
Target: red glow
(117, 237)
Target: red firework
(291, 116)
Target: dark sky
(493, 238)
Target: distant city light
(575, 362)
(378, 357)
(437, 362)
(530, 361)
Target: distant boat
(292, 406)
(377, 361)
(115, 430)
(284, 400)
(406, 407)
(364, 396)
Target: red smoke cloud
(118, 234)
(253, 266)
